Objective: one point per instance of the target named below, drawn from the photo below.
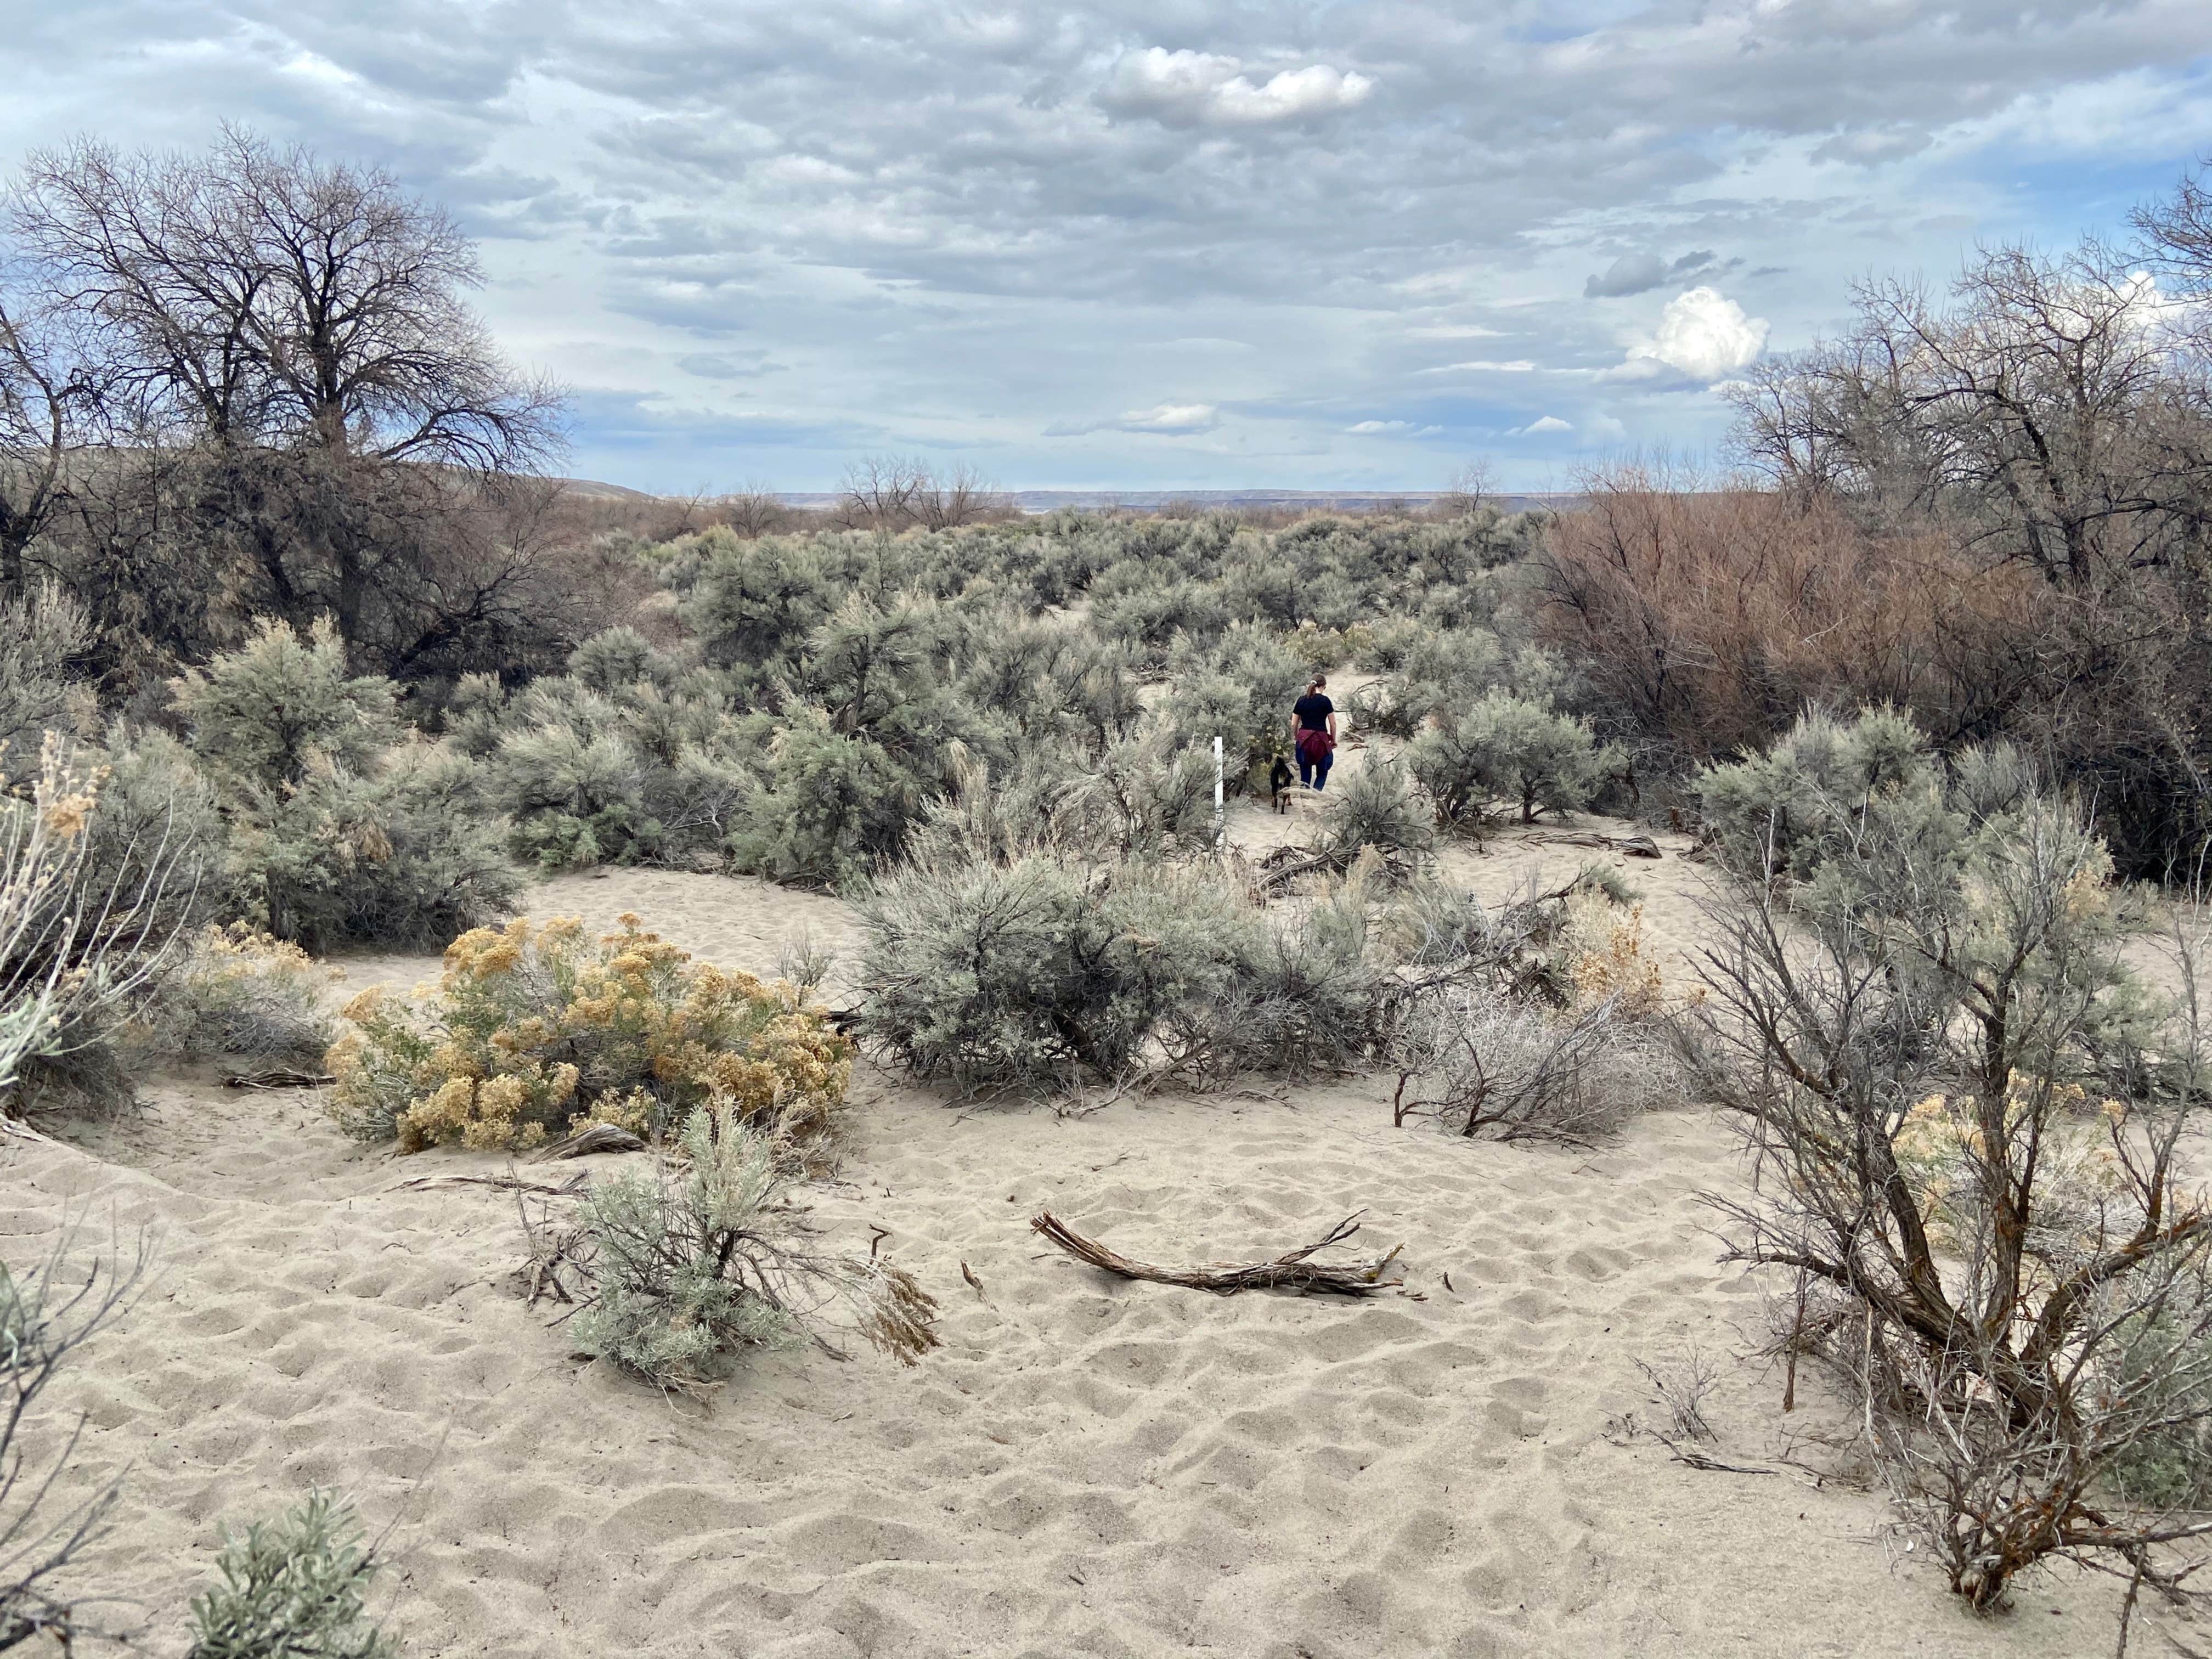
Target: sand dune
(1087, 1467)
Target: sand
(1087, 1467)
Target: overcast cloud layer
(1181, 245)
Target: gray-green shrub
(693, 1267)
(336, 830)
(293, 1588)
(1507, 749)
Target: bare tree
(310, 419)
(1469, 490)
(261, 296)
(879, 492)
(948, 501)
(898, 492)
(2051, 404)
(49, 397)
(753, 509)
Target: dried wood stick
(1292, 1272)
(279, 1079)
(596, 1137)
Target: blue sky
(1185, 245)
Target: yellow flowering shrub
(533, 1028)
(1603, 953)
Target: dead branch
(1293, 1272)
(1636, 847)
(572, 1187)
(596, 1137)
(283, 1078)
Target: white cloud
(1703, 336)
(1188, 87)
(1166, 420)
(1542, 423)
(1173, 418)
(1455, 332)
(1485, 366)
(1376, 428)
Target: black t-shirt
(1313, 711)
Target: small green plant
(691, 1267)
(293, 1587)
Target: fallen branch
(281, 1079)
(598, 1138)
(1636, 847)
(1286, 1272)
(1698, 1459)
(505, 1183)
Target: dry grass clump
(535, 1028)
(1537, 1020)
(237, 990)
(694, 1260)
(81, 945)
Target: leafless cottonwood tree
(893, 493)
(299, 389)
(1963, 1111)
(50, 403)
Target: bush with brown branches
(1965, 1110)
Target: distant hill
(1046, 501)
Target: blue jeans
(1315, 775)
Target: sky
(1189, 245)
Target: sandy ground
(1087, 1467)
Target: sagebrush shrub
(536, 1029)
(335, 830)
(1239, 689)
(594, 768)
(1375, 805)
(696, 1260)
(1038, 972)
(293, 1587)
(1792, 805)
(1507, 749)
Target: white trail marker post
(1220, 823)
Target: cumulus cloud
(1191, 88)
(660, 188)
(1541, 424)
(1703, 336)
(1381, 428)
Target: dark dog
(1280, 781)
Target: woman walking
(1313, 733)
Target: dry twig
(283, 1078)
(1293, 1272)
